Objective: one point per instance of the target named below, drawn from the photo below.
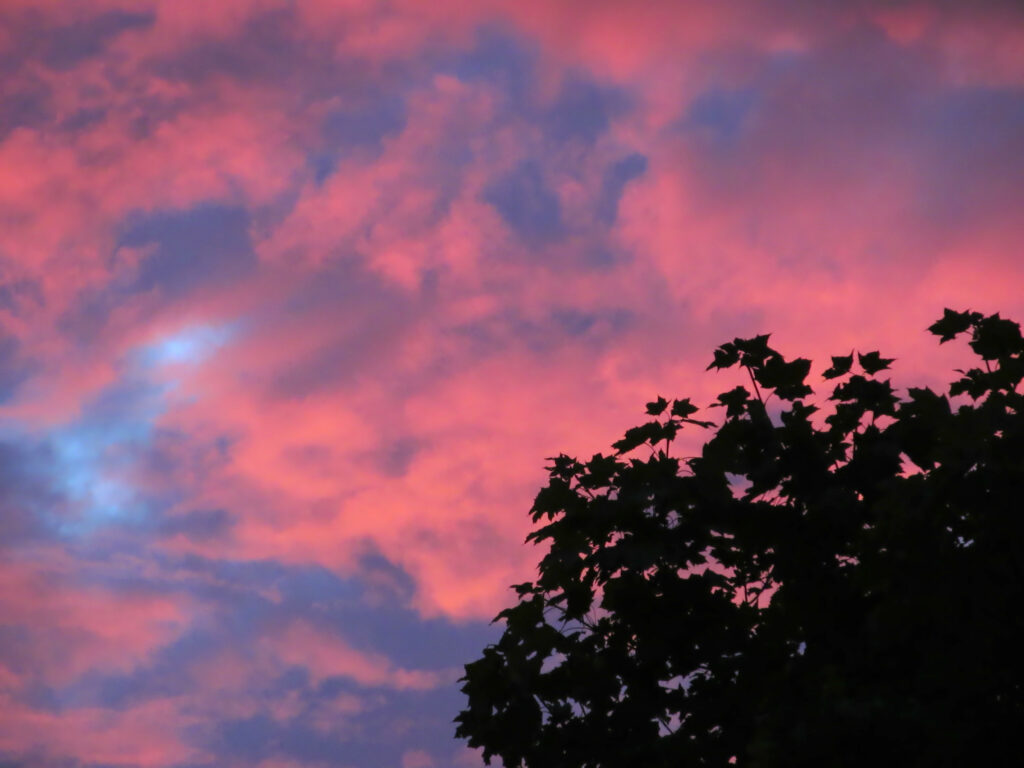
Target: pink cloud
(417, 758)
(72, 628)
(138, 737)
(397, 355)
(327, 655)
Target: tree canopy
(832, 584)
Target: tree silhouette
(835, 586)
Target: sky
(297, 296)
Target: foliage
(834, 587)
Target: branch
(757, 390)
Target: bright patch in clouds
(191, 345)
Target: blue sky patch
(200, 246)
(616, 177)
(722, 112)
(527, 204)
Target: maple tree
(833, 586)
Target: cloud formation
(296, 298)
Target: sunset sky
(296, 296)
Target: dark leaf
(651, 433)
(726, 356)
(840, 366)
(952, 324)
(786, 378)
(735, 401)
(873, 362)
(995, 338)
(683, 408)
(657, 407)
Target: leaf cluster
(820, 586)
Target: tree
(827, 587)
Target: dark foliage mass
(839, 586)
